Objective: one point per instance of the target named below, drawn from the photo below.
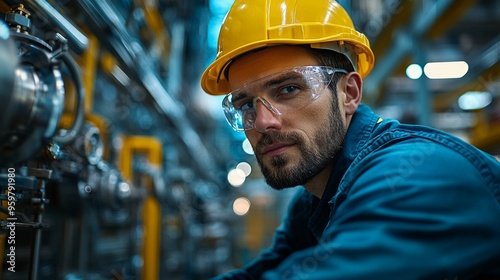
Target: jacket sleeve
(415, 210)
(292, 235)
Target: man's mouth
(275, 149)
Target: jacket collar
(359, 132)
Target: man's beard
(327, 142)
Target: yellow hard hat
(253, 24)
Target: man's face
(290, 148)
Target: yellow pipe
(156, 24)
(152, 17)
(152, 148)
(88, 64)
(151, 244)
(108, 63)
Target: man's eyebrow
(270, 83)
(238, 96)
(281, 79)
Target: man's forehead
(256, 65)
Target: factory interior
(125, 169)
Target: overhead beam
(449, 18)
(399, 17)
(404, 37)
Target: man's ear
(352, 86)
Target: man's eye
(287, 90)
(244, 104)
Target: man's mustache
(269, 138)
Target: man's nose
(267, 117)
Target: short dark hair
(333, 59)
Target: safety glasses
(281, 93)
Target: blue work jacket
(402, 202)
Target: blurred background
(117, 165)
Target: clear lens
(282, 92)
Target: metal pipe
(77, 39)
(37, 238)
(70, 135)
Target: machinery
(85, 188)
(110, 168)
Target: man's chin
(277, 185)
(280, 178)
(280, 172)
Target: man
(380, 200)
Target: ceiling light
(446, 70)
(414, 71)
(474, 100)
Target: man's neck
(316, 186)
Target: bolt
(18, 18)
(21, 10)
(54, 150)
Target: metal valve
(33, 92)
